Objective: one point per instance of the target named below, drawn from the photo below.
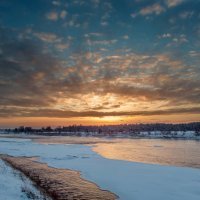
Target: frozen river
(129, 180)
(185, 153)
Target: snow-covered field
(15, 186)
(129, 180)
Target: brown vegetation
(60, 184)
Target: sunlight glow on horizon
(39, 122)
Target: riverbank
(60, 184)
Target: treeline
(109, 129)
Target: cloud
(102, 42)
(133, 15)
(153, 9)
(73, 21)
(104, 23)
(173, 3)
(36, 82)
(165, 35)
(52, 38)
(194, 53)
(93, 34)
(158, 9)
(68, 114)
(25, 70)
(47, 37)
(56, 3)
(62, 46)
(53, 16)
(125, 37)
(186, 14)
(178, 40)
(63, 14)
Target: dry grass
(60, 184)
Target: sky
(99, 62)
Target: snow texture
(15, 186)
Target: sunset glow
(97, 62)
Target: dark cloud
(26, 71)
(17, 112)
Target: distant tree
(48, 129)
(21, 129)
(28, 129)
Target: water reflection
(156, 151)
